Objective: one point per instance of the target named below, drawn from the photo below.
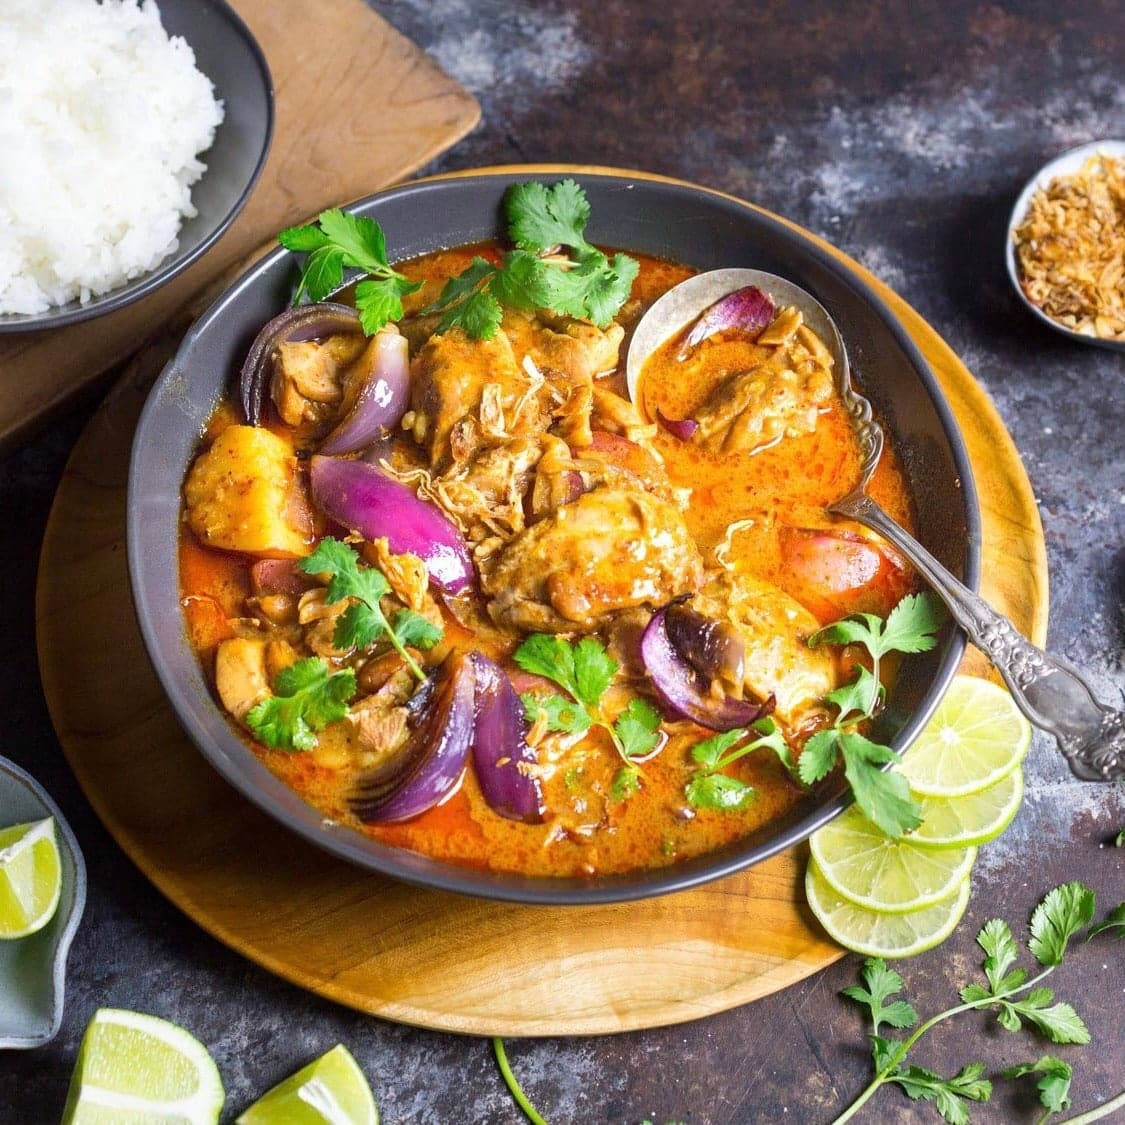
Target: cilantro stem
(398, 646)
(513, 1085)
(905, 1046)
(1098, 1112)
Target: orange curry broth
(654, 827)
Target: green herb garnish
(1053, 1085)
(585, 671)
(306, 699)
(1016, 999)
(883, 796)
(710, 788)
(364, 622)
(338, 240)
(585, 283)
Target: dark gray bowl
(230, 56)
(669, 219)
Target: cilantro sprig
(710, 788)
(584, 671)
(364, 622)
(882, 795)
(306, 699)
(338, 240)
(1018, 1000)
(586, 283)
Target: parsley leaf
(882, 983)
(626, 783)
(562, 714)
(637, 727)
(1057, 919)
(1053, 1086)
(340, 240)
(947, 1094)
(1114, 920)
(305, 700)
(719, 791)
(364, 621)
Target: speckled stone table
(901, 132)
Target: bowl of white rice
(133, 133)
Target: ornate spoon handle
(1050, 691)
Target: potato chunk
(240, 674)
(242, 495)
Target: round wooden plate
(418, 956)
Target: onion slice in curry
(305, 322)
(428, 768)
(683, 690)
(500, 746)
(382, 399)
(746, 311)
(362, 498)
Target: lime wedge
(975, 737)
(882, 935)
(880, 873)
(959, 822)
(140, 1070)
(30, 877)
(331, 1090)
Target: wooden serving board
(358, 106)
(423, 957)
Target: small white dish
(33, 969)
(1065, 164)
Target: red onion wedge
(500, 746)
(684, 691)
(746, 311)
(382, 398)
(429, 766)
(362, 498)
(682, 428)
(713, 648)
(306, 322)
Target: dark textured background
(901, 132)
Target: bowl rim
(503, 886)
(1061, 164)
(131, 291)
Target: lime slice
(30, 877)
(331, 1090)
(140, 1070)
(882, 935)
(975, 737)
(881, 873)
(959, 822)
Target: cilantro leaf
(1058, 1022)
(305, 700)
(1053, 1086)
(1119, 839)
(1001, 952)
(562, 714)
(338, 240)
(859, 628)
(522, 282)
(910, 627)
(710, 750)
(346, 578)
(883, 796)
(1060, 915)
(626, 783)
(819, 756)
(882, 983)
(594, 669)
(550, 656)
(1114, 920)
(947, 1094)
(358, 627)
(540, 217)
(859, 697)
(771, 738)
(719, 791)
(415, 630)
(637, 726)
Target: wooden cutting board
(358, 106)
(400, 952)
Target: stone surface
(901, 132)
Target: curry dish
(504, 695)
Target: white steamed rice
(102, 119)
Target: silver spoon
(1050, 691)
